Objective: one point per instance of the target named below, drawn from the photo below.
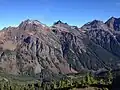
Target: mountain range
(33, 47)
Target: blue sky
(74, 12)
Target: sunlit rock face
(33, 47)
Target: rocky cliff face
(33, 47)
(107, 43)
(113, 23)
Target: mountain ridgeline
(33, 47)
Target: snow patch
(43, 25)
(32, 22)
(36, 22)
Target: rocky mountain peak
(31, 25)
(113, 23)
(28, 21)
(113, 18)
(61, 26)
(95, 24)
(59, 22)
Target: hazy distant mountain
(33, 47)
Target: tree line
(63, 84)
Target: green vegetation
(69, 83)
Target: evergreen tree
(110, 77)
(54, 84)
(2, 86)
(83, 82)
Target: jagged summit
(28, 21)
(59, 22)
(113, 23)
(114, 18)
(95, 24)
(31, 21)
(31, 25)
